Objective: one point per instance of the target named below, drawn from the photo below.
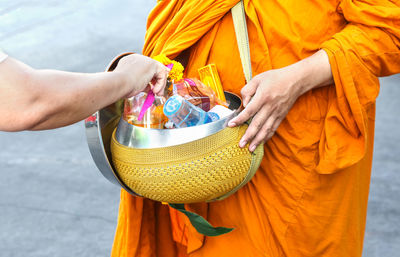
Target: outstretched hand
(140, 72)
(34, 99)
(269, 96)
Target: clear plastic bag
(194, 91)
(153, 117)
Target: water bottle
(182, 113)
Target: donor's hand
(138, 71)
(269, 96)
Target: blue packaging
(184, 114)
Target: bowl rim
(147, 138)
(99, 128)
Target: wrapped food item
(152, 116)
(210, 77)
(196, 93)
(146, 109)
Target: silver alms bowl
(101, 125)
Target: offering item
(182, 113)
(194, 91)
(210, 77)
(152, 117)
(196, 99)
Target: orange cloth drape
(309, 197)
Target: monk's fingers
(251, 109)
(265, 133)
(249, 90)
(275, 127)
(255, 126)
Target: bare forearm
(66, 98)
(45, 99)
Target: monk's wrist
(313, 72)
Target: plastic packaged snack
(153, 117)
(196, 93)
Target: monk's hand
(269, 96)
(267, 99)
(140, 72)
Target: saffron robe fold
(309, 197)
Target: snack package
(210, 77)
(194, 91)
(146, 109)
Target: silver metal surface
(144, 138)
(96, 147)
(99, 129)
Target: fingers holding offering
(139, 71)
(160, 79)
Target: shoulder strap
(242, 37)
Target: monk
(313, 104)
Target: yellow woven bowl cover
(207, 169)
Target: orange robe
(309, 197)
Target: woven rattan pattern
(198, 171)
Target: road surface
(53, 200)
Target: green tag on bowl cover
(200, 224)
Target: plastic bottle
(182, 113)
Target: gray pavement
(54, 202)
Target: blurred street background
(54, 201)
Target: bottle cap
(172, 105)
